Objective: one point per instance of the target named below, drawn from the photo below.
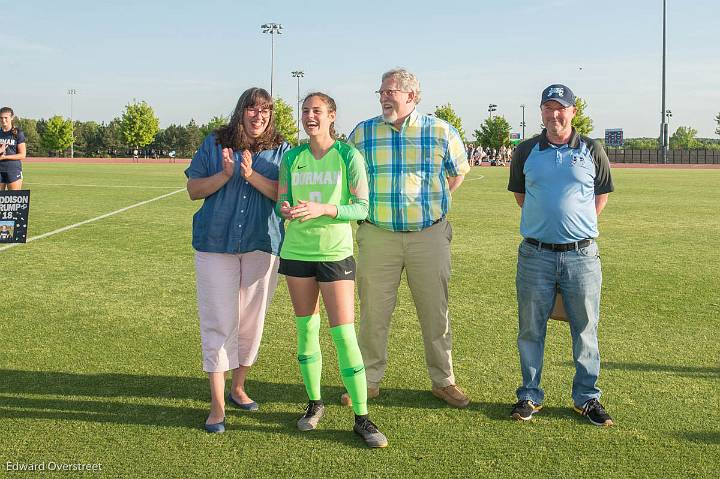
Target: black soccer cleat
(313, 413)
(369, 432)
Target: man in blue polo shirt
(561, 180)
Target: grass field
(100, 358)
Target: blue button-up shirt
(237, 218)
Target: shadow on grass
(114, 389)
(56, 383)
(706, 437)
(104, 411)
(114, 412)
(501, 411)
(694, 371)
(285, 423)
(102, 385)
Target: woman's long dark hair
(234, 136)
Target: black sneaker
(595, 412)
(370, 434)
(524, 409)
(313, 412)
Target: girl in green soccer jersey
(322, 187)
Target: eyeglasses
(258, 111)
(390, 92)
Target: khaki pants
(425, 256)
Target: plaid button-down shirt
(408, 169)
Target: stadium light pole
(298, 74)
(523, 120)
(72, 92)
(273, 29)
(491, 108)
(663, 124)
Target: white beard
(391, 118)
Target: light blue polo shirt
(560, 184)
(237, 218)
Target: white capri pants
(233, 293)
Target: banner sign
(14, 212)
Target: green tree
(640, 144)
(582, 122)
(170, 139)
(447, 113)
(214, 123)
(112, 138)
(57, 134)
(684, 138)
(708, 144)
(139, 125)
(41, 125)
(494, 132)
(285, 122)
(192, 139)
(88, 136)
(32, 137)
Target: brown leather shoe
(452, 395)
(372, 393)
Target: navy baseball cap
(559, 93)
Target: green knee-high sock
(351, 366)
(309, 356)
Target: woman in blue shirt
(236, 236)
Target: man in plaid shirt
(414, 163)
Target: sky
(194, 59)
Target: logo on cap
(559, 93)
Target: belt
(403, 231)
(560, 247)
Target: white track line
(65, 228)
(103, 186)
(478, 178)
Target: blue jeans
(578, 277)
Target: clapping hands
(228, 156)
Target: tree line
(495, 132)
(684, 138)
(137, 129)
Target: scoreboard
(614, 137)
